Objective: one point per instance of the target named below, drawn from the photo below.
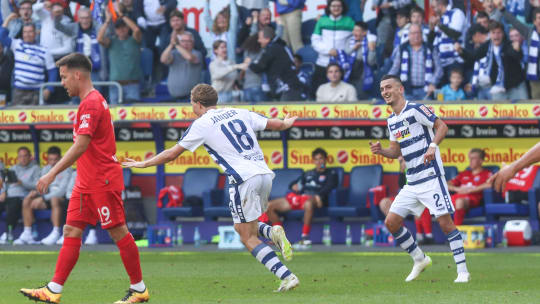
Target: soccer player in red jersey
(469, 184)
(97, 192)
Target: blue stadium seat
(494, 169)
(450, 172)
(495, 205)
(126, 172)
(280, 184)
(352, 201)
(197, 181)
(216, 202)
(308, 54)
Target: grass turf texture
(236, 277)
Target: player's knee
(72, 232)
(392, 224)
(460, 203)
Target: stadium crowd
(453, 52)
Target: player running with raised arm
(411, 135)
(98, 186)
(228, 135)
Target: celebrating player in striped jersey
(411, 135)
(229, 137)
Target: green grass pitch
(236, 277)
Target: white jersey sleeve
(257, 121)
(193, 137)
(424, 115)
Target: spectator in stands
(515, 36)
(27, 173)
(469, 184)
(479, 35)
(533, 43)
(178, 25)
(224, 27)
(453, 90)
(336, 90)
(6, 69)
(257, 21)
(446, 29)
(498, 64)
(332, 33)
(403, 23)
(309, 192)
(124, 56)
(32, 63)
(361, 48)
(417, 17)
(57, 41)
(152, 18)
(303, 75)
(277, 62)
(185, 65)
(385, 21)
(87, 44)
(252, 85)
(223, 72)
(127, 8)
(482, 20)
(53, 200)
(290, 12)
(15, 21)
(414, 63)
(491, 10)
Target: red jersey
(467, 178)
(98, 170)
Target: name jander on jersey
(219, 117)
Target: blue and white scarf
(347, 62)
(98, 12)
(405, 65)
(516, 7)
(95, 54)
(532, 60)
(483, 66)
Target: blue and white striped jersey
(32, 61)
(229, 137)
(413, 130)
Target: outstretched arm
(162, 158)
(280, 125)
(506, 173)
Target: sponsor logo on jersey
(402, 134)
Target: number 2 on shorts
(437, 197)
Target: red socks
(418, 224)
(67, 258)
(130, 257)
(426, 221)
(459, 215)
(306, 229)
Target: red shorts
(106, 207)
(474, 200)
(297, 201)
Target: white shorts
(249, 200)
(432, 194)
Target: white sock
(264, 254)
(429, 235)
(92, 231)
(56, 230)
(405, 240)
(265, 230)
(55, 287)
(139, 287)
(27, 230)
(419, 237)
(456, 245)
